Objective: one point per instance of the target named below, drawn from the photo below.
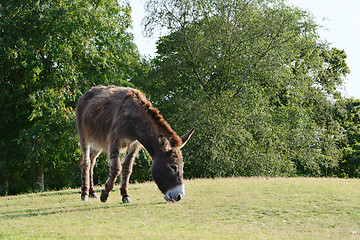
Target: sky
(340, 19)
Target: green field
(233, 208)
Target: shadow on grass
(41, 211)
(42, 194)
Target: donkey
(118, 119)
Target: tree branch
(267, 50)
(183, 28)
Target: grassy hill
(233, 208)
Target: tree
(348, 115)
(255, 80)
(51, 52)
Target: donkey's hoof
(84, 197)
(126, 199)
(104, 196)
(93, 195)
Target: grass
(233, 208)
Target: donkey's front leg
(114, 171)
(126, 171)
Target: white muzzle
(175, 194)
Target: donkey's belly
(124, 144)
(104, 146)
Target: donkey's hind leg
(126, 171)
(114, 171)
(94, 153)
(85, 164)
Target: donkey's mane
(158, 118)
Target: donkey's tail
(81, 157)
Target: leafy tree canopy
(256, 81)
(50, 53)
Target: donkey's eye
(174, 168)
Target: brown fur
(159, 119)
(115, 119)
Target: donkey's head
(167, 170)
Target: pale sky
(341, 18)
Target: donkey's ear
(186, 137)
(164, 144)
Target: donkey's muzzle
(175, 194)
